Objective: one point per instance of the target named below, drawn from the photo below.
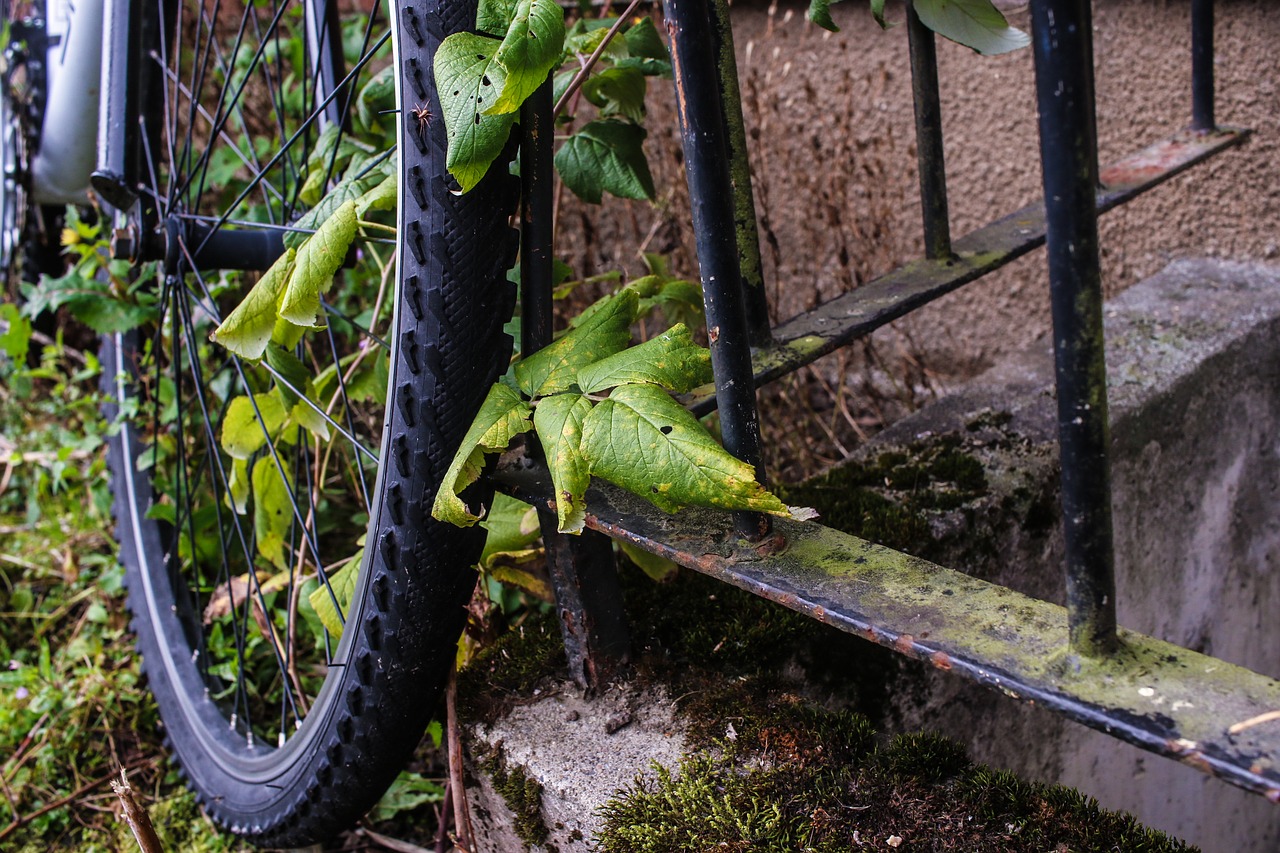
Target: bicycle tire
(385, 677)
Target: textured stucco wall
(830, 120)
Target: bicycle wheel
(287, 724)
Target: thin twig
(394, 844)
(18, 823)
(136, 816)
(461, 813)
(581, 76)
(446, 811)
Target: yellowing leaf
(512, 526)
(243, 433)
(238, 486)
(317, 261)
(647, 443)
(381, 197)
(657, 568)
(558, 422)
(671, 360)
(554, 368)
(272, 510)
(248, 328)
(468, 79)
(342, 585)
(502, 417)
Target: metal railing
(1073, 660)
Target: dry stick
(395, 844)
(136, 816)
(446, 809)
(18, 823)
(461, 812)
(581, 76)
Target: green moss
(777, 793)
(509, 666)
(522, 795)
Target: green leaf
(558, 421)
(657, 568)
(535, 585)
(17, 334)
(297, 391)
(247, 330)
(554, 368)
(512, 525)
(468, 78)
(317, 261)
(380, 197)
(272, 510)
(530, 50)
(606, 156)
(323, 163)
(407, 793)
(238, 486)
(671, 360)
(877, 12)
(646, 442)
(343, 586)
(376, 95)
(820, 14)
(494, 16)
(502, 417)
(973, 23)
(242, 433)
(680, 302)
(350, 188)
(617, 91)
(644, 41)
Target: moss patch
(522, 794)
(797, 778)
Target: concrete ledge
(971, 482)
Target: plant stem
(581, 76)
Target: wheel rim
(244, 536)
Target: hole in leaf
(484, 81)
(666, 430)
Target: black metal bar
(1202, 65)
(755, 301)
(806, 338)
(929, 153)
(582, 568)
(238, 249)
(1160, 697)
(1068, 142)
(711, 195)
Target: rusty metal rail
(846, 318)
(1212, 715)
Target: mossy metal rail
(1212, 715)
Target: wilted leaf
(317, 261)
(534, 584)
(272, 510)
(671, 360)
(230, 596)
(247, 329)
(647, 443)
(558, 422)
(657, 568)
(502, 417)
(554, 368)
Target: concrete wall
(832, 135)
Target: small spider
(422, 112)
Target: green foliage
(976, 24)
(638, 437)
(606, 156)
(468, 79)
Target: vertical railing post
(929, 154)
(1068, 142)
(702, 128)
(582, 569)
(755, 302)
(1202, 65)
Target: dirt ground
(830, 123)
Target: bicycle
(286, 731)
(286, 720)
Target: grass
(74, 709)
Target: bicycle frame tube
(60, 168)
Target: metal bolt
(124, 244)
